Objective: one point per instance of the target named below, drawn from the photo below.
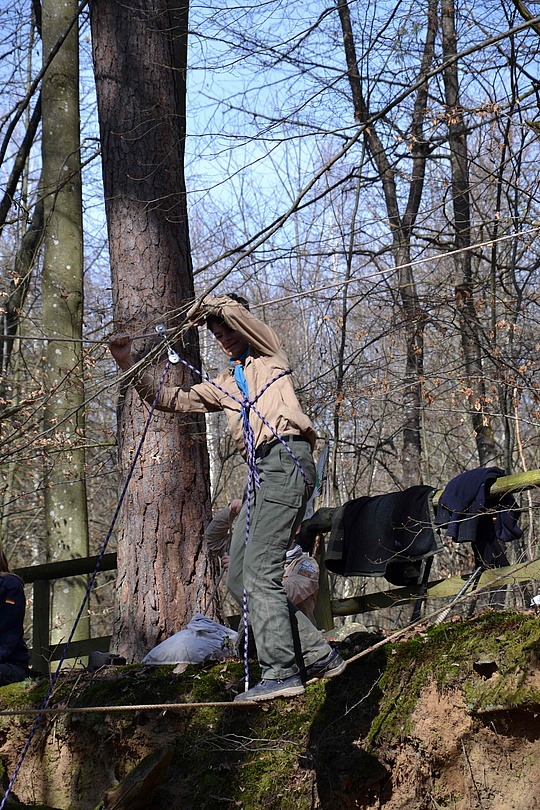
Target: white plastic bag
(202, 640)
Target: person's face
(232, 342)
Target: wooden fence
(42, 653)
(40, 577)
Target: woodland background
(365, 174)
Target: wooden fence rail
(40, 577)
(42, 653)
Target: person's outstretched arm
(259, 335)
(200, 398)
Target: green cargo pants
(285, 638)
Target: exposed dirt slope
(447, 719)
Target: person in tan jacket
(257, 383)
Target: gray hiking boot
(270, 689)
(328, 667)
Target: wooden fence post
(41, 651)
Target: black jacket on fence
(382, 536)
(387, 535)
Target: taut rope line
(330, 286)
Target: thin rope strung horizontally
(292, 296)
(63, 657)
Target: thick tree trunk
(66, 517)
(139, 53)
(470, 331)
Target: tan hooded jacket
(265, 360)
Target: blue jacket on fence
(13, 649)
(466, 516)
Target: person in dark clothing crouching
(13, 651)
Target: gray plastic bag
(202, 640)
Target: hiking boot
(270, 689)
(328, 667)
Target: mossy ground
(453, 655)
(280, 754)
(323, 744)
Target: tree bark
(139, 51)
(66, 516)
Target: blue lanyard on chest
(239, 375)
(237, 366)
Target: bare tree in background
(401, 225)
(66, 516)
(465, 298)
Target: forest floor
(448, 718)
